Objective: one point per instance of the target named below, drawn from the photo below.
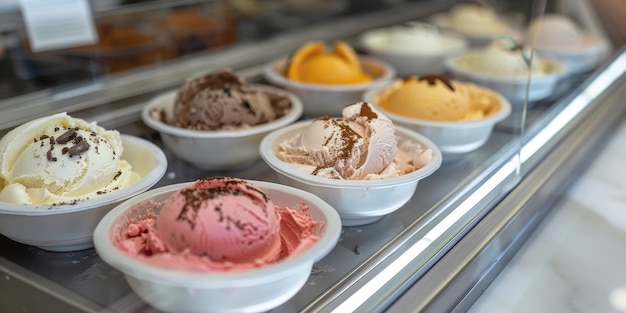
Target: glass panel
(150, 47)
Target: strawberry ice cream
(218, 224)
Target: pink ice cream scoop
(362, 143)
(225, 219)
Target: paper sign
(56, 24)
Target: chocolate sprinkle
(432, 80)
(79, 148)
(67, 136)
(50, 157)
(196, 196)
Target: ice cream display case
(484, 183)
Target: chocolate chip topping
(71, 135)
(432, 80)
(67, 136)
(50, 157)
(79, 148)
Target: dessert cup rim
(267, 154)
(208, 279)
(389, 72)
(293, 114)
(144, 183)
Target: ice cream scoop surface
(414, 38)
(225, 219)
(429, 97)
(217, 224)
(507, 58)
(436, 98)
(477, 19)
(223, 100)
(361, 145)
(59, 159)
(312, 63)
(559, 33)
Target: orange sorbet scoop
(312, 63)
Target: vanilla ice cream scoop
(361, 144)
(413, 38)
(59, 159)
(472, 18)
(504, 57)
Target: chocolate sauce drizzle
(432, 80)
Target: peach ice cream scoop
(429, 97)
(313, 63)
(225, 219)
(436, 98)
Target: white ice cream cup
(513, 88)
(319, 99)
(454, 138)
(218, 149)
(409, 63)
(254, 290)
(358, 202)
(70, 227)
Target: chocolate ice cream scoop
(224, 101)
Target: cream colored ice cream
(554, 32)
(414, 38)
(473, 19)
(436, 98)
(559, 37)
(61, 160)
(559, 33)
(505, 57)
(361, 145)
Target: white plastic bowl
(454, 139)
(318, 99)
(252, 290)
(358, 202)
(70, 227)
(512, 88)
(578, 60)
(407, 63)
(219, 149)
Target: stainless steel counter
(431, 254)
